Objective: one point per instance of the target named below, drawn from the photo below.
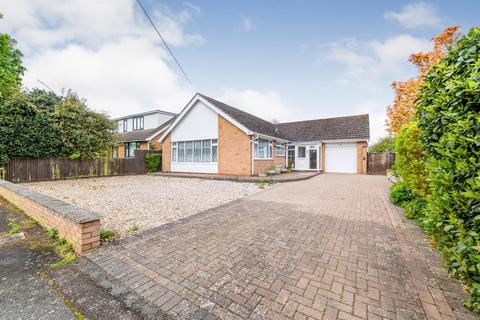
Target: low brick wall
(78, 226)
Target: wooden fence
(44, 169)
(379, 162)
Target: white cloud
(369, 67)
(365, 61)
(268, 104)
(104, 50)
(248, 24)
(414, 15)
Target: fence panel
(379, 162)
(44, 169)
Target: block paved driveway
(331, 247)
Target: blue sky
(284, 60)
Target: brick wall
(154, 142)
(234, 150)
(166, 153)
(144, 145)
(79, 227)
(121, 150)
(362, 157)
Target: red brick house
(209, 136)
(140, 131)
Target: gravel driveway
(129, 203)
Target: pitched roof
(351, 127)
(145, 114)
(251, 122)
(142, 135)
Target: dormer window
(125, 125)
(138, 123)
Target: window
(138, 123)
(302, 152)
(206, 153)
(263, 149)
(174, 152)
(188, 151)
(130, 148)
(115, 152)
(280, 150)
(214, 150)
(197, 151)
(125, 125)
(181, 151)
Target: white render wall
(199, 123)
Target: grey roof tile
(351, 127)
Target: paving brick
(332, 246)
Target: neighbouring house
(140, 131)
(209, 136)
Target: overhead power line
(165, 43)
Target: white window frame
(125, 125)
(305, 153)
(269, 147)
(176, 144)
(137, 123)
(282, 147)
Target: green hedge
(448, 114)
(153, 161)
(410, 159)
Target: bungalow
(209, 136)
(140, 131)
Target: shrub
(415, 208)
(384, 144)
(153, 161)
(399, 194)
(107, 234)
(449, 118)
(410, 159)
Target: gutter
(252, 141)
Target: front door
(313, 158)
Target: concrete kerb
(276, 179)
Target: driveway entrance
(329, 247)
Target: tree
(402, 109)
(11, 69)
(384, 144)
(39, 123)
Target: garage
(341, 157)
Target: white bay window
(196, 151)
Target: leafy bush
(14, 227)
(384, 144)
(410, 159)
(415, 208)
(107, 234)
(449, 118)
(39, 124)
(399, 194)
(153, 161)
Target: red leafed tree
(402, 109)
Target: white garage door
(341, 157)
